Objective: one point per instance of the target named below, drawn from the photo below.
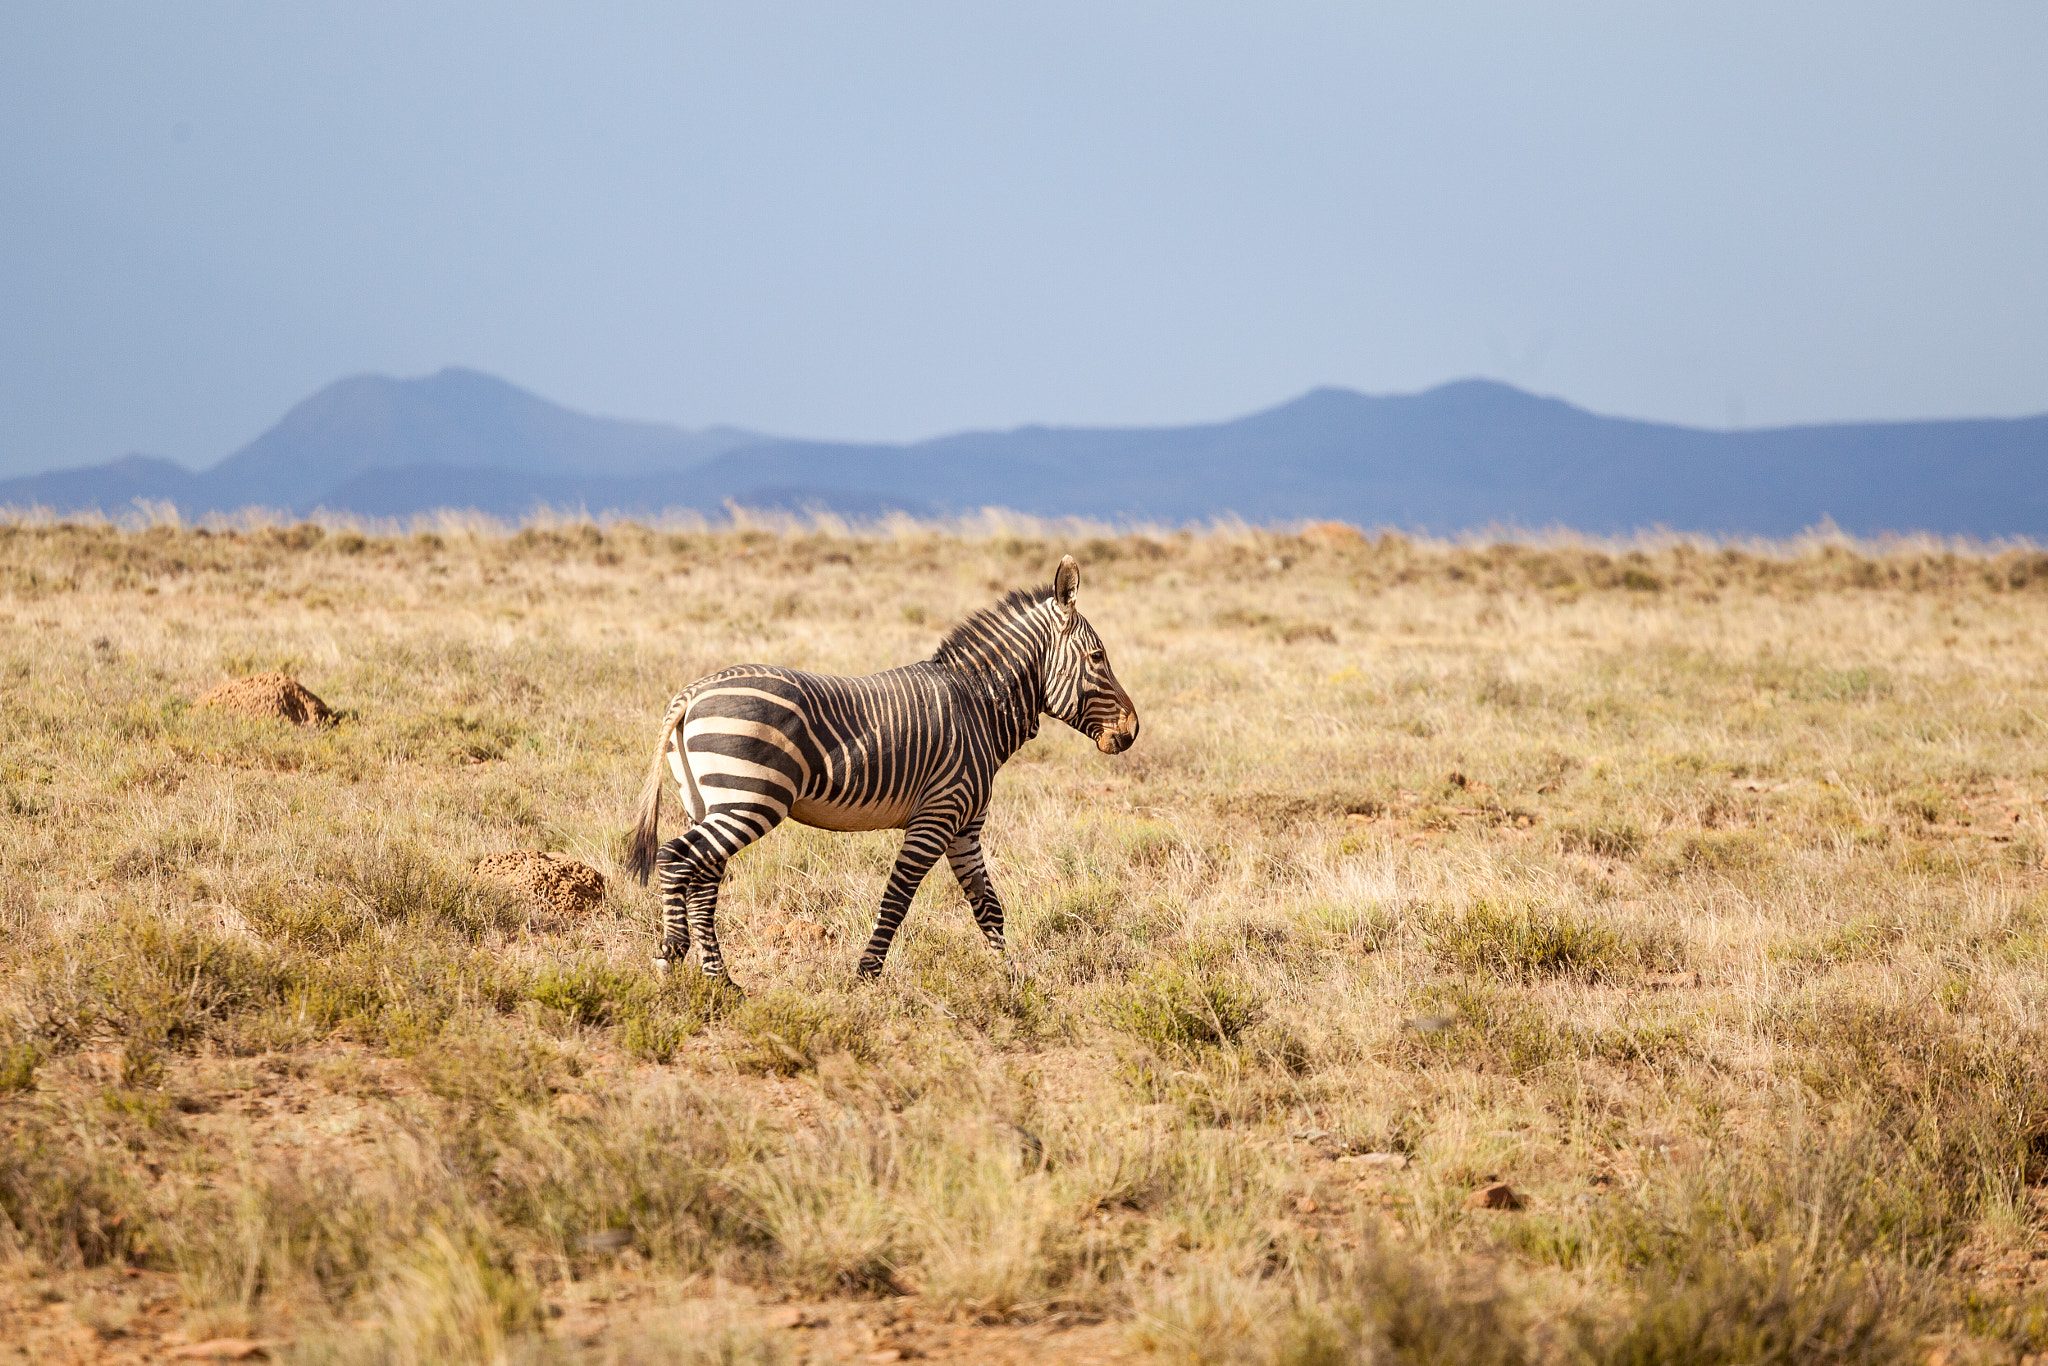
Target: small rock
(1396, 1161)
(605, 1240)
(1309, 1135)
(1305, 1205)
(791, 1317)
(1429, 1024)
(886, 1354)
(1499, 1195)
(800, 930)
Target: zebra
(913, 749)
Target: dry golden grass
(1696, 893)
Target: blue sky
(890, 221)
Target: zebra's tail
(647, 822)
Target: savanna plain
(1540, 952)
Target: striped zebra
(914, 749)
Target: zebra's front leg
(971, 872)
(923, 841)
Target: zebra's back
(765, 743)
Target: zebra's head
(1080, 687)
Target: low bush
(68, 1194)
(1184, 1006)
(784, 1033)
(1522, 942)
(1735, 852)
(1768, 1308)
(1611, 840)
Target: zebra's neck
(1000, 653)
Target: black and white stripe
(915, 748)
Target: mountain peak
(455, 418)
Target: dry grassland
(1696, 895)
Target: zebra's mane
(1010, 606)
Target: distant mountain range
(1462, 455)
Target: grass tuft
(784, 1033)
(1184, 1006)
(1522, 942)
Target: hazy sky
(890, 221)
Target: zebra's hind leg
(675, 868)
(697, 858)
(704, 924)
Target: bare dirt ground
(1490, 953)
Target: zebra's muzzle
(1117, 738)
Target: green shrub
(460, 736)
(1084, 908)
(1641, 581)
(1183, 1007)
(1760, 1310)
(149, 981)
(1521, 942)
(66, 1195)
(785, 1033)
(1366, 927)
(483, 1066)
(1928, 805)
(19, 1059)
(1135, 842)
(1956, 1115)
(400, 883)
(654, 1023)
(1730, 853)
(588, 993)
(1615, 840)
(1481, 1025)
(986, 990)
(1858, 684)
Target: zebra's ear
(1066, 587)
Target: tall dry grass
(1693, 890)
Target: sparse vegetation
(1697, 892)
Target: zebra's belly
(827, 814)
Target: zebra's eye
(1095, 656)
